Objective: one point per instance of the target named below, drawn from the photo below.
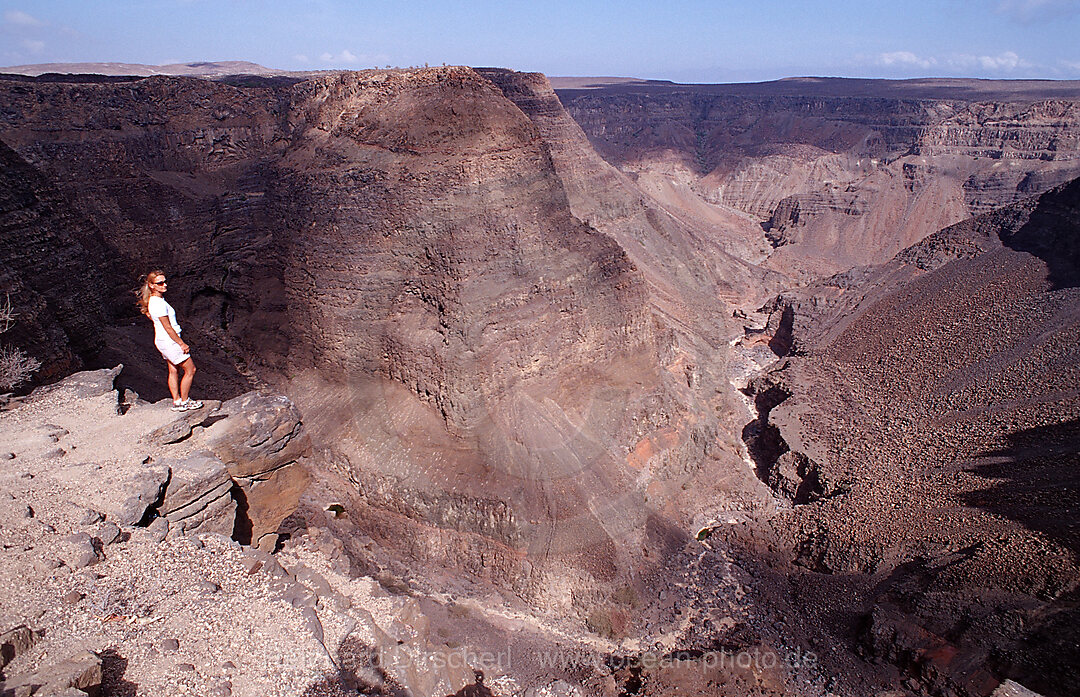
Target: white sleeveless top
(160, 309)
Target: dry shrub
(16, 367)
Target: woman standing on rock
(167, 339)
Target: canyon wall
(523, 369)
(499, 375)
(838, 172)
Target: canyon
(640, 376)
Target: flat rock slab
(180, 428)
(198, 496)
(79, 672)
(121, 493)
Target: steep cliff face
(496, 382)
(53, 264)
(840, 173)
(443, 257)
(437, 203)
(686, 254)
(172, 173)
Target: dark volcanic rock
(53, 268)
(383, 228)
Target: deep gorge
(511, 316)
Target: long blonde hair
(143, 293)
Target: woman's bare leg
(185, 382)
(174, 382)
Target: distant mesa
(586, 83)
(196, 69)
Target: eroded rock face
(443, 254)
(198, 495)
(53, 263)
(840, 172)
(408, 237)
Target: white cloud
(21, 19)
(33, 45)
(905, 59)
(301, 58)
(1005, 62)
(345, 56)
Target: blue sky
(682, 40)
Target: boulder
(146, 487)
(271, 499)
(259, 440)
(78, 551)
(81, 671)
(83, 385)
(197, 497)
(260, 433)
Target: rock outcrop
(120, 572)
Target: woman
(167, 339)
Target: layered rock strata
(840, 173)
(53, 267)
(398, 251)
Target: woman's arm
(167, 326)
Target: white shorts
(172, 352)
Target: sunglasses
(159, 283)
